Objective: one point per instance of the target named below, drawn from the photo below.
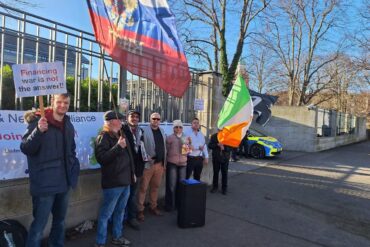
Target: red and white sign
(35, 79)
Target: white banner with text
(13, 163)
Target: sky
(69, 12)
(75, 13)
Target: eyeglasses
(178, 127)
(156, 119)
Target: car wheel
(257, 151)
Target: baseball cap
(133, 112)
(109, 115)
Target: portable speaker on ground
(192, 203)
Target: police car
(260, 146)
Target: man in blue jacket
(53, 168)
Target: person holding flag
(234, 120)
(220, 160)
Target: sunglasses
(178, 127)
(156, 119)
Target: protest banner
(13, 163)
(37, 79)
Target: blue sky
(75, 13)
(69, 12)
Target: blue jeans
(174, 174)
(42, 206)
(114, 204)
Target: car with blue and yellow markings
(260, 146)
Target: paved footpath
(297, 199)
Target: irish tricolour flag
(236, 115)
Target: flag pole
(113, 101)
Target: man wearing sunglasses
(155, 147)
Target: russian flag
(141, 36)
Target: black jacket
(116, 162)
(52, 163)
(138, 158)
(217, 154)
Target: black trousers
(224, 167)
(195, 164)
(131, 208)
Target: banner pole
(41, 104)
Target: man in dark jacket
(220, 160)
(53, 168)
(135, 137)
(117, 167)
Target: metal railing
(333, 123)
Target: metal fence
(324, 122)
(332, 123)
(96, 81)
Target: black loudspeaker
(192, 204)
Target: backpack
(12, 234)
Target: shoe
(134, 224)
(99, 245)
(213, 190)
(155, 211)
(224, 192)
(121, 241)
(140, 216)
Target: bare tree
(361, 39)
(299, 32)
(18, 3)
(207, 23)
(264, 70)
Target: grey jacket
(150, 144)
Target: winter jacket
(138, 158)
(52, 163)
(174, 145)
(217, 154)
(117, 166)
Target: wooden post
(41, 104)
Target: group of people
(132, 158)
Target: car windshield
(254, 133)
